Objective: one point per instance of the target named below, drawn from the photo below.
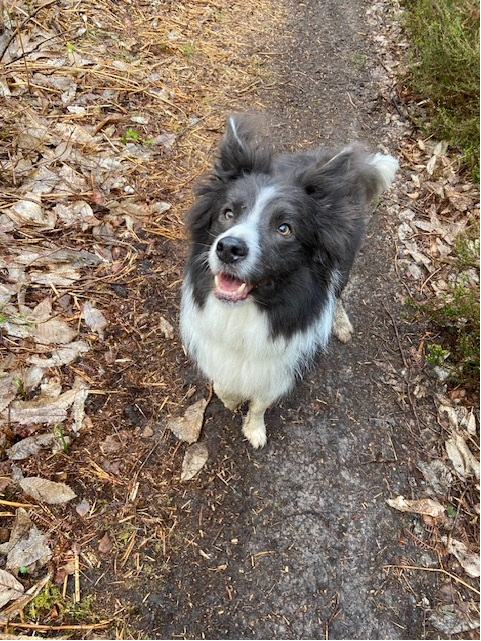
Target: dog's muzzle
(231, 250)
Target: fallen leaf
(105, 544)
(166, 328)
(94, 319)
(110, 445)
(453, 620)
(78, 408)
(418, 506)
(8, 390)
(47, 491)
(195, 458)
(463, 460)
(188, 427)
(40, 324)
(10, 588)
(31, 212)
(34, 444)
(467, 559)
(42, 409)
(53, 331)
(20, 529)
(437, 475)
(83, 508)
(27, 545)
(30, 551)
(61, 355)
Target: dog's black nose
(230, 249)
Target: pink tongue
(229, 283)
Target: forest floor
(110, 113)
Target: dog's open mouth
(231, 289)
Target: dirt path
(295, 541)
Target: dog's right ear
(242, 150)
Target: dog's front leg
(342, 328)
(254, 428)
(231, 401)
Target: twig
(39, 626)
(440, 570)
(16, 504)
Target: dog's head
(261, 220)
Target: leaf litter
(435, 206)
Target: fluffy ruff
(272, 241)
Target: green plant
(436, 355)
(444, 70)
(466, 247)
(451, 511)
(50, 602)
(456, 318)
(58, 432)
(130, 135)
(48, 599)
(188, 50)
(20, 387)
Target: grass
(444, 74)
(444, 71)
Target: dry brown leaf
(31, 212)
(34, 444)
(94, 319)
(469, 560)
(61, 355)
(8, 390)
(188, 427)
(42, 409)
(10, 588)
(83, 508)
(195, 458)
(105, 544)
(46, 491)
(418, 506)
(27, 545)
(463, 460)
(166, 328)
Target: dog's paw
(230, 401)
(254, 430)
(342, 328)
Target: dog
(273, 238)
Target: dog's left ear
(352, 170)
(242, 150)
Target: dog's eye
(284, 229)
(229, 214)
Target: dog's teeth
(240, 289)
(216, 280)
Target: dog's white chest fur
(232, 346)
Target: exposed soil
(295, 541)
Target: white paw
(254, 430)
(342, 328)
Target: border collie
(273, 238)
